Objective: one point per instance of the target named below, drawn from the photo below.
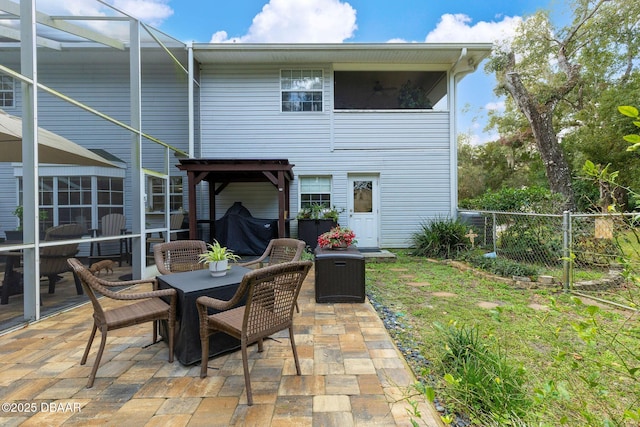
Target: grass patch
(571, 354)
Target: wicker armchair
(148, 307)
(271, 293)
(179, 255)
(278, 250)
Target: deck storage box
(339, 275)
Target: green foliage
(217, 252)
(501, 266)
(530, 199)
(480, 378)
(633, 139)
(440, 238)
(319, 211)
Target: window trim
(12, 91)
(300, 192)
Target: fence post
(566, 253)
(494, 232)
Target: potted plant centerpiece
(218, 258)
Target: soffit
(443, 54)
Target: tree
(551, 74)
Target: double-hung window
(301, 90)
(7, 91)
(315, 190)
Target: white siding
(241, 118)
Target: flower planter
(310, 229)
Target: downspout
(191, 102)
(459, 69)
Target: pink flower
(337, 237)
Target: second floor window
(7, 91)
(301, 90)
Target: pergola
(219, 173)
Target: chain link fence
(591, 253)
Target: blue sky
(343, 21)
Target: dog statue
(106, 265)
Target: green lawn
(574, 362)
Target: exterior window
(74, 200)
(7, 91)
(110, 196)
(315, 190)
(68, 199)
(301, 90)
(156, 202)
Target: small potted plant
(16, 235)
(218, 258)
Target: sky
(344, 21)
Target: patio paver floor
(352, 375)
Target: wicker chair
(271, 293)
(179, 255)
(278, 251)
(148, 307)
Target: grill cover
(241, 232)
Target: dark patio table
(190, 285)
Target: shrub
(440, 238)
(531, 199)
(501, 266)
(481, 379)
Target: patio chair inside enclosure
(271, 293)
(175, 223)
(134, 309)
(179, 255)
(113, 224)
(53, 259)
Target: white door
(363, 210)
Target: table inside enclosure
(191, 285)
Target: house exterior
(334, 111)
(370, 128)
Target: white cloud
(458, 28)
(298, 21)
(495, 106)
(152, 12)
